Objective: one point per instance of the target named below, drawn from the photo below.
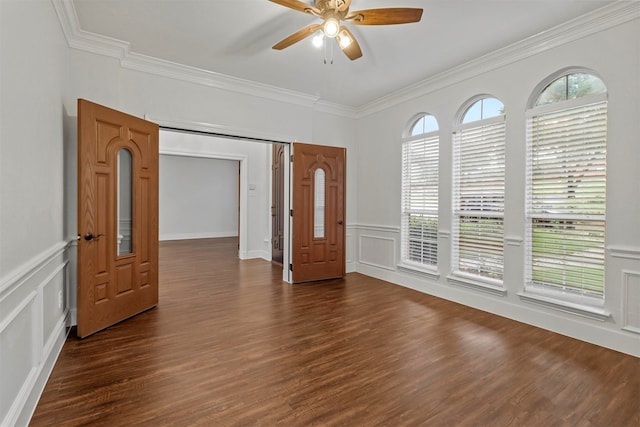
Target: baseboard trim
(255, 254)
(192, 236)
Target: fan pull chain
(331, 52)
(324, 49)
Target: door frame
(243, 198)
(248, 136)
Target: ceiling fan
(332, 12)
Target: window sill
(549, 301)
(491, 286)
(420, 270)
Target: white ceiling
(234, 37)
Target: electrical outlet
(60, 299)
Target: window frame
(405, 263)
(457, 276)
(553, 295)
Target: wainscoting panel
(350, 244)
(631, 301)
(378, 251)
(33, 318)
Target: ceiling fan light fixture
(344, 40)
(331, 27)
(318, 40)
(333, 13)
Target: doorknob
(339, 222)
(90, 236)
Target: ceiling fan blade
(297, 36)
(352, 50)
(297, 5)
(388, 16)
(342, 5)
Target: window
(478, 187)
(566, 190)
(419, 233)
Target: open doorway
(253, 210)
(199, 198)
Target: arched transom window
(478, 192)
(419, 231)
(566, 189)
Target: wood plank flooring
(232, 345)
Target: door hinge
(290, 267)
(291, 212)
(291, 158)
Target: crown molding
(84, 40)
(107, 46)
(601, 19)
(139, 62)
(609, 16)
(335, 109)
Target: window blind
(420, 200)
(479, 168)
(566, 176)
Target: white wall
(198, 197)
(255, 197)
(614, 54)
(34, 262)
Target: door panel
(318, 241)
(115, 284)
(277, 203)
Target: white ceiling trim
(335, 109)
(590, 23)
(601, 19)
(101, 45)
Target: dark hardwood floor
(232, 345)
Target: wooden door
(277, 203)
(117, 216)
(318, 242)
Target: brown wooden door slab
(318, 243)
(277, 203)
(117, 216)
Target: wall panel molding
(624, 252)
(377, 251)
(29, 268)
(513, 240)
(630, 300)
(34, 315)
(379, 228)
(444, 234)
